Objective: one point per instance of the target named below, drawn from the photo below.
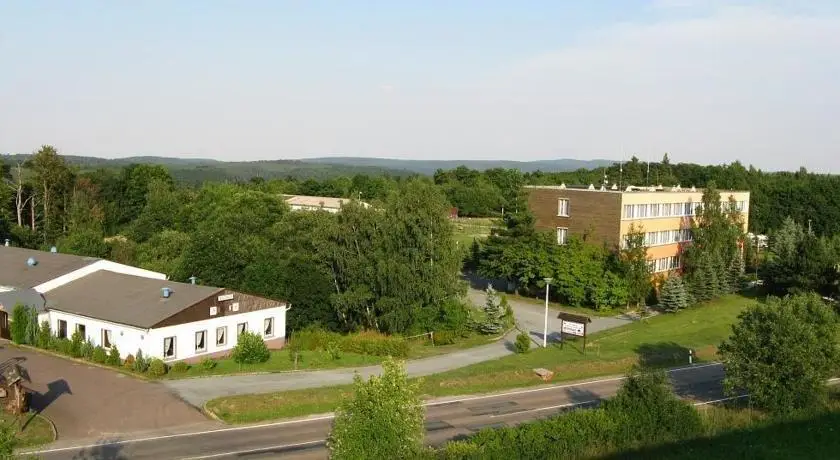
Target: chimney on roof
(693, 189)
(591, 187)
(165, 292)
(53, 249)
(31, 262)
(563, 186)
(7, 242)
(614, 186)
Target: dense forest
(392, 267)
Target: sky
(707, 81)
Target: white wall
(94, 267)
(127, 339)
(185, 333)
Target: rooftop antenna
(621, 167)
(648, 172)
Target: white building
(318, 203)
(133, 309)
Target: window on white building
(80, 328)
(200, 341)
(562, 234)
(240, 328)
(106, 338)
(221, 336)
(628, 211)
(62, 329)
(563, 207)
(268, 327)
(654, 210)
(169, 347)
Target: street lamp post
(545, 326)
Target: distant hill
(197, 170)
(428, 167)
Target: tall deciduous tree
(53, 178)
(383, 418)
(635, 266)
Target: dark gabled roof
(15, 272)
(9, 297)
(126, 299)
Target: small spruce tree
(673, 296)
(494, 322)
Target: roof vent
(603, 188)
(629, 188)
(591, 187)
(614, 186)
(563, 186)
(53, 249)
(7, 242)
(693, 189)
(31, 262)
(166, 292)
(192, 279)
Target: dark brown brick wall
(592, 213)
(201, 310)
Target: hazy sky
(708, 81)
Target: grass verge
(33, 429)
(663, 340)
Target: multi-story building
(663, 213)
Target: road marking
(540, 409)
(253, 451)
(331, 416)
(703, 403)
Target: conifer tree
(494, 312)
(673, 296)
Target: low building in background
(606, 215)
(115, 305)
(318, 203)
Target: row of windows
(169, 345)
(653, 210)
(664, 264)
(663, 237)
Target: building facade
(664, 214)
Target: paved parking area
(85, 401)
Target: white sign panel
(573, 328)
(222, 298)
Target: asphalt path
(446, 419)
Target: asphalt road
(445, 419)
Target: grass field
(33, 430)
(281, 361)
(662, 340)
(468, 229)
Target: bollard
(690, 356)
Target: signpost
(576, 325)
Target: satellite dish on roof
(31, 262)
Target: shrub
(444, 337)
(494, 312)
(76, 341)
(455, 317)
(129, 362)
(334, 350)
(45, 338)
(294, 352)
(86, 350)
(314, 338)
(375, 344)
(386, 409)
(157, 368)
(250, 349)
(523, 343)
(63, 346)
(141, 364)
(19, 326)
(208, 363)
(99, 355)
(114, 357)
(180, 367)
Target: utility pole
(545, 326)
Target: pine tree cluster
(494, 311)
(673, 296)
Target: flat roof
(14, 271)
(630, 189)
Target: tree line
(392, 267)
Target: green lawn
(659, 341)
(281, 361)
(33, 430)
(586, 311)
(467, 229)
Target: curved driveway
(530, 317)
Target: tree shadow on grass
(662, 354)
